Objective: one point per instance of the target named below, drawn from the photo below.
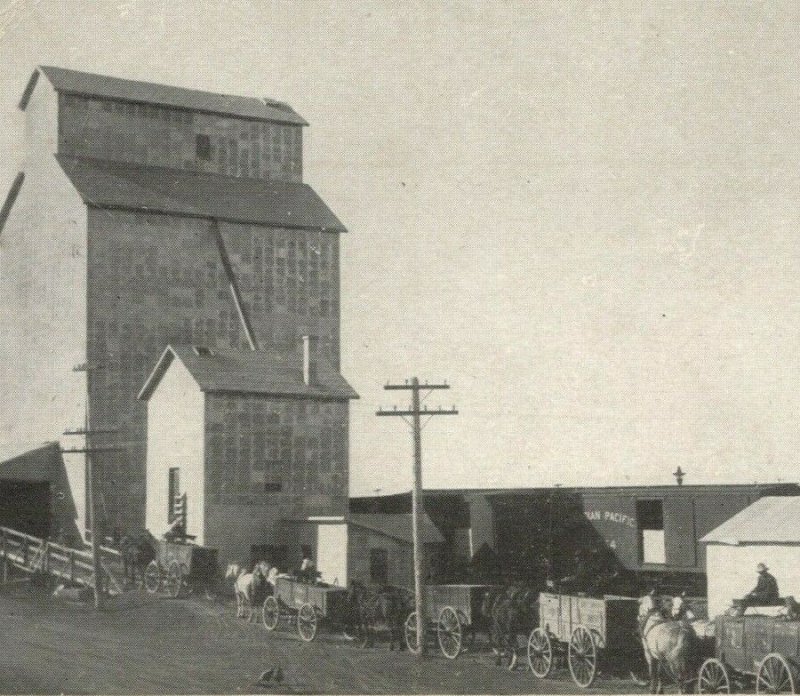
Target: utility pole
(90, 484)
(416, 412)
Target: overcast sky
(583, 216)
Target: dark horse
(392, 608)
(373, 609)
(137, 550)
(510, 610)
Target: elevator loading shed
(34, 492)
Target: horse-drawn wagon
(181, 567)
(307, 604)
(585, 630)
(454, 613)
(752, 648)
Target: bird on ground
(270, 676)
(266, 676)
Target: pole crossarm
(418, 387)
(89, 450)
(421, 412)
(84, 431)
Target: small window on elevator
(650, 518)
(203, 143)
(173, 491)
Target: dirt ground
(154, 645)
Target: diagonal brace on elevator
(236, 294)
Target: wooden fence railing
(34, 555)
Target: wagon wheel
(174, 582)
(152, 577)
(410, 630)
(307, 623)
(540, 653)
(271, 614)
(449, 632)
(713, 678)
(774, 676)
(582, 657)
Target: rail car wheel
(540, 653)
(449, 632)
(174, 580)
(410, 630)
(152, 577)
(774, 676)
(271, 614)
(582, 657)
(713, 678)
(307, 623)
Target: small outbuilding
(381, 548)
(768, 531)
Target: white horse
(670, 647)
(248, 587)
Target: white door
(332, 553)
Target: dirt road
(149, 645)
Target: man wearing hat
(765, 593)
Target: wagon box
(180, 567)
(307, 603)
(765, 649)
(453, 612)
(585, 628)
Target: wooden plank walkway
(33, 555)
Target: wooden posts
(72, 566)
(5, 556)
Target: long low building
(645, 533)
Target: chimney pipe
(309, 361)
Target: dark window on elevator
(379, 566)
(203, 143)
(272, 487)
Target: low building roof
(90, 84)
(249, 372)
(198, 194)
(769, 520)
(398, 526)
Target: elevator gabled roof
(198, 194)
(249, 372)
(90, 84)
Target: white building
(768, 531)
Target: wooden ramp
(33, 555)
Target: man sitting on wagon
(308, 571)
(580, 578)
(764, 594)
